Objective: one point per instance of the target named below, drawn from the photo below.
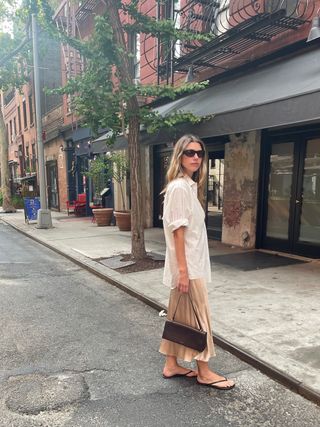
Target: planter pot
(102, 216)
(123, 220)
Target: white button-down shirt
(183, 209)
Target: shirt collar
(189, 180)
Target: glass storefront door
(279, 190)
(309, 230)
(291, 203)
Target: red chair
(78, 207)
(70, 206)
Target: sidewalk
(270, 316)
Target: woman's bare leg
(207, 376)
(171, 367)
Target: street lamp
(44, 214)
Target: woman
(187, 264)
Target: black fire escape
(233, 26)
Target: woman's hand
(183, 283)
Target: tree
(105, 95)
(11, 76)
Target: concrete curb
(264, 367)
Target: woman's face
(191, 160)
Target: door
(291, 205)
(53, 193)
(215, 194)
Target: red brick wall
(26, 136)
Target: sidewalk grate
(254, 260)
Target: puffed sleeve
(177, 208)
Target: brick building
(19, 119)
(19, 116)
(262, 127)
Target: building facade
(261, 120)
(262, 124)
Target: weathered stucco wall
(241, 189)
(53, 152)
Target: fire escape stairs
(257, 29)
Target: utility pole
(44, 214)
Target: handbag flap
(185, 335)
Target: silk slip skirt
(199, 295)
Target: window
(15, 126)
(9, 95)
(34, 159)
(27, 160)
(24, 108)
(19, 118)
(221, 23)
(177, 24)
(10, 134)
(136, 57)
(21, 160)
(31, 110)
(68, 99)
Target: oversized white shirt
(183, 209)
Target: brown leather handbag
(195, 338)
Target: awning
(284, 93)
(100, 144)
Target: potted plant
(99, 173)
(119, 168)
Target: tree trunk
(5, 184)
(137, 217)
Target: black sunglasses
(191, 153)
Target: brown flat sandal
(186, 374)
(213, 385)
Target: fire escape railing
(234, 26)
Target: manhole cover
(32, 394)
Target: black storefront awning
(100, 144)
(284, 93)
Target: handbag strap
(194, 311)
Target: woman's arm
(179, 243)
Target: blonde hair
(175, 168)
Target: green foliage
(98, 172)
(165, 28)
(13, 50)
(114, 166)
(17, 202)
(119, 166)
(100, 97)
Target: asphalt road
(75, 351)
